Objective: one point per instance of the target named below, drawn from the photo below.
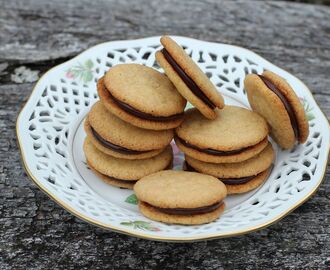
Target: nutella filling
(187, 80)
(188, 211)
(121, 180)
(213, 151)
(129, 109)
(227, 181)
(115, 147)
(287, 105)
(238, 181)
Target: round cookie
(188, 78)
(152, 213)
(273, 98)
(248, 153)
(141, 96)
(252, 166)
(122, 171)
(237, 134)
(112, 181)
(252, 184)
(117, 138)
(180, 197)
(238, 177)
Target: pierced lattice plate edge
(37, 91)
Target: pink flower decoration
(176, 150)
(69, 75)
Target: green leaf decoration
(132, 199)
(88, 77)
(82, 72)
(142, 225)
(308, 109)
(126, 223)
(310, 116)
(89, 64)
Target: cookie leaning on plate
(141, 96)
(181, 197)
(122, 172)
(273, 98)
(188, 78)
(118, 138)
(236, 134)
(238, 177)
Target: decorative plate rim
(135, 233)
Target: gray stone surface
(35, 233)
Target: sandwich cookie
(238, 177)
(273, 98)
(122, 172)
(141, 96)
(188, 78)
(181, 197)
(117, 138)
(236, 134)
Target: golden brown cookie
(238, 177)
(254, 183)
(188, 78)
(111, 180)
(237, 134)
(118, 138)
(252, 166)
(141, 96)
(273, 98)
(152, 213)
(180, 197)
(122, 171)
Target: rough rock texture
(35, 233)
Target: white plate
(50, 135)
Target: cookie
(141, 96)
(118, 138)
(188, 78)
(181, 197)
(111, 180)
(123, 172)
(273, 98)
(254, 183)
(236, 134)
(238, 177)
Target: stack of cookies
(234, 147)
(226, 147)
(227, 142)
(130, 129)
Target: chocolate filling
(213, 151)
(227, 181)
(121, 180)
(187, 80)
(115, 147)
(188, 211)
(238, 181)
(287, 105)
(129, 109)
